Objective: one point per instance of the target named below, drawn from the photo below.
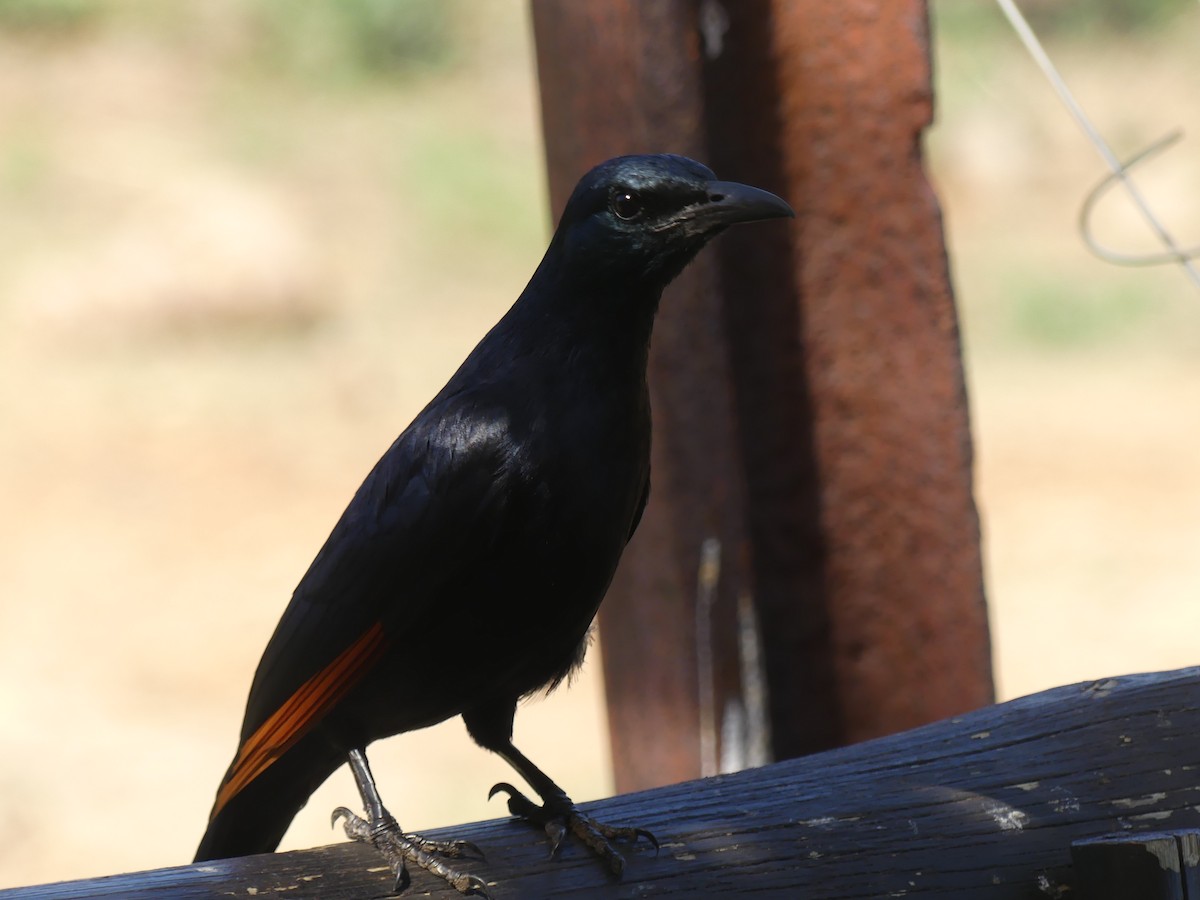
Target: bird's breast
(589, 476)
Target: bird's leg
(558, 814)
(383, 833)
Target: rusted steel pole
(812, 458)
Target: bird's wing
(442, 492)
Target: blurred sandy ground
(226, 283)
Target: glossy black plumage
(469, 565)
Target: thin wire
(1034, 46)
(1085, 215)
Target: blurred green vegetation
(447, 164)
(23, 165)
(50, 17)
(1050, 311)
(1058, 19)
(329, 39)
(353, 37)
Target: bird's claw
(356, 827)
(648, 835)
(558, 815)
(403, 880)
(518, 804)
(476, 885)
(399, 848)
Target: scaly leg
(558, 814)
(382, 832)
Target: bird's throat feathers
(591, 303)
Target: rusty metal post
(810, 415)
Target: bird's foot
(558, 815)
(399, 849)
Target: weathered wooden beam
(985, 805)
(810, 416)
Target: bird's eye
(626, 205)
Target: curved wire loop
(1174, 255)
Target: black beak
(730, 202)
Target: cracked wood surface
(983, 805)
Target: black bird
(465, 573)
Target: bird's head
(638, 220)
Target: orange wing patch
(299, 713)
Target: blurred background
(231, 270)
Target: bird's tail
(254, 819)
